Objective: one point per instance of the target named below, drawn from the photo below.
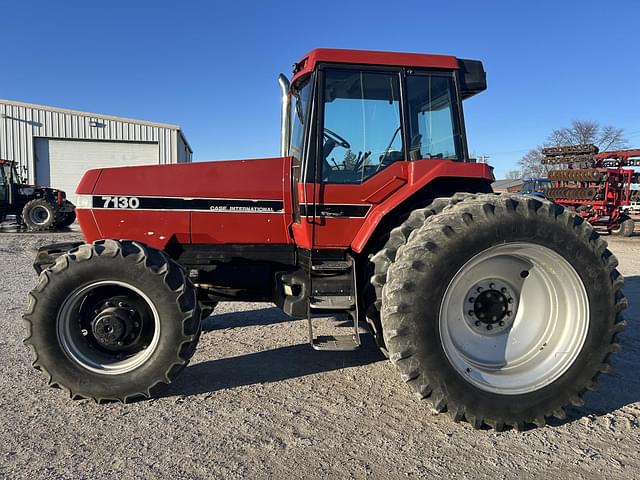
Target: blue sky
(211, 67)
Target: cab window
(433, 129)
(299, 107)
(362, 128)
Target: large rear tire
(65, 219)
(502, 310)
(382, 259)
(112, 321)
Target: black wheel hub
(490, 306)
(116, 327)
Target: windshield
(299, 104)
(362, 124)
(538, 185)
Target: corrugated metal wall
(20, 123)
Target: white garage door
(61, 163)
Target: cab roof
(367, 57)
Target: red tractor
(600, 191)
(499, 309)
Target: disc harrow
(577, 175)
(569, 193)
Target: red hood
(249, 179)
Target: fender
(422, 173)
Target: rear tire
(66, 218)
(433, 337)
(625, 228)
(112, 321)
(380, 262)
(39, 215)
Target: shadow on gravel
(618, 389)
(268, 366)
(263, 316)
(621, 387)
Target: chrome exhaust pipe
(285, 115)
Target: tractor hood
(233, 202)
(258, 179)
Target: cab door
(361, 150)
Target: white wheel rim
(39, 215)
(541, 338)
(72, 343)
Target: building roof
(506, 183)
(89, 114)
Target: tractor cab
(360, 126)
(535, 186)
(366, 131)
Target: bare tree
(579, 132)
(531, 164)
(514, 174)
(586, 131)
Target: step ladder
(327, 304)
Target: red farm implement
(597, 186)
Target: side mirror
(473, 78)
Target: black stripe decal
(220, 205)
(335, 210)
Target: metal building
(55, 146)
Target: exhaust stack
(285, 115)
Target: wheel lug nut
(492, 286)
(84, 332)
(489, 327)
(472, 299)
(510, 300)
(509, 313)
(471, 313)
(477, 323)
(501, 323)
(479, 289)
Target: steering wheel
(336, 138)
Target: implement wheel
(625, 228)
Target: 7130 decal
(121, 202)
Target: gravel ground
(257, 402)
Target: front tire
(502, 310)
(39, 215)
(112, 321)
